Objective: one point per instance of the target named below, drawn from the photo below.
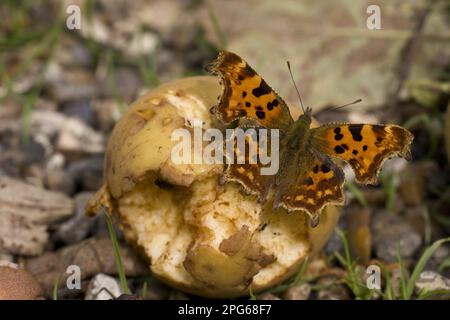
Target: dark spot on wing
(339, 149)
(316, 169)
(269, 106)
(244, 94)
(309, 181)
(241, 77)
(364, 147)
(275, 102)
(262, 89)
(248, 104)
(344, 146)
(337, 134)
(325, 168)
(260, 114)
(355, 130)
(355, 152)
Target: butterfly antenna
(340, 107)
(296, 89)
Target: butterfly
(309, 177)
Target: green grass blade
(55, 288)
(216, 26)
(357, 193)
(297, 279)
(428, 294)
(403, 279)
(144, 290)
(251, 294)
(421, 265)
(115, 244)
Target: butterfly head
(306, 116)
(308, 112)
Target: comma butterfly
(308, 178)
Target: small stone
(432, 281)
(34, 175)
(390, 230)
(125, 81)
(73, 85)
(56, 162)
(93, 256)
(359, 234)
(300, 292)
(59, 180)
(411, 185)
(17, 284)
(439, 256)
(77, 138)
(103, 287)
(72, 52)
(141, 44)
(107, 112)
(19, 236)
(80, 109)
(334, 243)
(34, 151)
(333, 290)
(6, 258)
(78, 227)
(267, 296)
(34, 204)
(88, 172)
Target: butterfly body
(308, 177)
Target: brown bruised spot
(234, 243)
(138, 123)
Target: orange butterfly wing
(246, 94)
(364, 146)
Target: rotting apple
(199, 236)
